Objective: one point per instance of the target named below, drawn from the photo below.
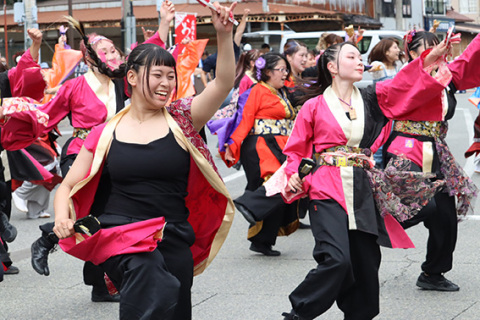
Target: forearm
(60, 203)
(225, 72)
(163, 29)
(34, 50)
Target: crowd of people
(364, 164)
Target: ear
(269, 73)
(413, 54)
(132, 77)
(332, 67)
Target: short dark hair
(265, 46)
(148, 55)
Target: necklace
(352, 112)
(142, 121)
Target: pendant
(353, 114)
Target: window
(468, 6)
(438, 6)
(388, 8)
(407, 8)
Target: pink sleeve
(155, 39)
(383, 137)
(26, 79)
(24, 123)
(92, 139)
(245, 84)
(59, 107)
(464, 69)
(412, 95)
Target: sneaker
(436, 282)
(20, 204)
(12, 270)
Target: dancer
(135, 196)
(423, 142)
(261, 128)
(340, 124)
(90, 99)
(296, 54)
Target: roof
(458, 17)
(113, 14)
(467, 27)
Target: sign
(185, 26)
(445, 24)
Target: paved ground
(241, 285)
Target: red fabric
(261, 104)
(206, 205)
(130, 238)
(25, 79)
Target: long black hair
(415, 39)
(324, 79)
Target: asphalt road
(242, 285)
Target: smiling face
(349, 66)
(298, 60)
(278, 74)
(393, 53)
(155, 85)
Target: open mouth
(161, 93)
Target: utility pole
(129, 30)
(70, 32)
(399, 15)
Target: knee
(335, 258)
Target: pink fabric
(245, 84)
(75, 97)
(131, 238)
(412, 95)
(411, 148)
(26, 79)
(398, 236)
(464, 69)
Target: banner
(185, 26)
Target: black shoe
(247, 214)
(436, 282)
(264, 249)
(101, 294)
(12, 270)
(291, 316)
(7, 231)
(40, 250)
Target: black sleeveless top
(144, 181)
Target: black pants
(347, 270)
(272, 211)
(156, 285)
(440, 218)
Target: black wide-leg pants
(347, 270)
(156, 285)
(440, 218)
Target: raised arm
(36, 36)
(167, 13)
(464, 69)
(207, 103)
(237, 38)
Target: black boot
(7, 231)
(40, 250)
(100, 294)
